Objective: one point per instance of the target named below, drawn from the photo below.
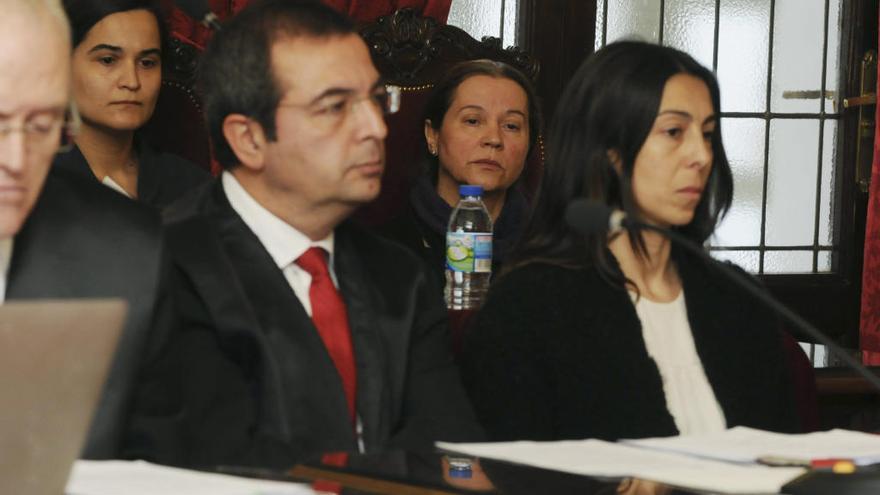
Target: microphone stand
(763, 296)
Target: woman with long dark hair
(622, 335)
(117, 74)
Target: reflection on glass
(826, 202)
(797, 54)
(747, 260)
(788, 262)
(744, 143)
(689, 25)
(743, 33)
(478, 18)
(791, 182)
(638, 19)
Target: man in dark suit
(300, 332)
(62, 236)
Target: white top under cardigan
(668, 338)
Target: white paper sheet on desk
(598, 458)
(741, 444)
(143, 478)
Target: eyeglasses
(41, 130)
(331, 113)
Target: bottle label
(469, 252)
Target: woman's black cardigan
(558, 353)
(162, 177)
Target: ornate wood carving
(412, 50)
(181, 62)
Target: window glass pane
(826, 202)
(791, 182)
(511, 18)
(744, 144)
(788, 262)
(832, 76)
(633, 19)
(478, 18)
(689, 25)
(824, 262)
(747, 260)
(743, 35)
(797, 54)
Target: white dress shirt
(112, 184)
(668, 338)
(284, 243)
(5, 257)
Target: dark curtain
(870, 317)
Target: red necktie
(331, 319)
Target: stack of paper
(598, 458)
(142, 478)
(725, 462)
(748, 445)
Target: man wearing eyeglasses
(301, 333)
(62, 236)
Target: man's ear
(247, 140)
(431, 138)
(616, 162)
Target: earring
(432, 150)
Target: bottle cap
(470, 190)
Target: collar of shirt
(283, 242)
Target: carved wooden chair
(177, 125)
(413, 52)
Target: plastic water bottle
(468, 251)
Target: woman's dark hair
(84, 14)
(444, 92)
(610, 104)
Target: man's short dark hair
(235, 74)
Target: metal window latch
(858, 101)
(811, 94)
(865, 137)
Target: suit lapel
(301, 366)
(355, 288)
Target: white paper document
(743, 444)
(143, 478)
(598, 458)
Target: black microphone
(201, 11)
(590, 217)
